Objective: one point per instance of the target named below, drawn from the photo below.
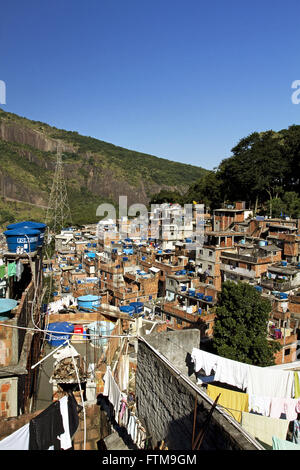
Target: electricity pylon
(58, 212)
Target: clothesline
(257, 381)
(89, 335)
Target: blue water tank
(100, 328)
(199, 295)
(283, 295)
(89, 302)
(258, 288)
(283, 263)
(192, 291)
(6, 305)
(59, 332)
(24, 238)
(30, 225)
(138, 306)
(208, 298)
(183, 288)
(127, 309)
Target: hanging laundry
(18, 440)
(112, 391)
(11, 269)
(123, 372)
(203, 360)
(264, 427)
(260, 405)
(132, 427)
(284, 407)
(19, 270)
(45, 429)
(296, 431)
(2, 271)
(54, 427)
(267, 382)
(281, 444)
(233, 402)
(296, 385)
(232, 372)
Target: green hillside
(95, 171)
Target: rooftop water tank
(31, 225)
(89, 302)
(22, 238)
(59, 332)
(138, 306)
(284, 263)
(127, 309)
(98, 329)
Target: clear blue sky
(183, 80)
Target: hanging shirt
(203, 360)
(46, 428)
(11, 269)
(18, 440)
(232, 372)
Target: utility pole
(58, 211)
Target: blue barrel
(98, 329)
(24, 238)
(283, 295)
(59, 332)
(30, 225)
(138, 306)
(127, 309)
(199, 311)
(89, 302)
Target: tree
(240, 329)
(206, 191)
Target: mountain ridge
(95, 171)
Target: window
(210, 253)
(287, 351)
(179, 321)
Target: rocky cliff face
(93, 169)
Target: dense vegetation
(240, 328)
(263, 170)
